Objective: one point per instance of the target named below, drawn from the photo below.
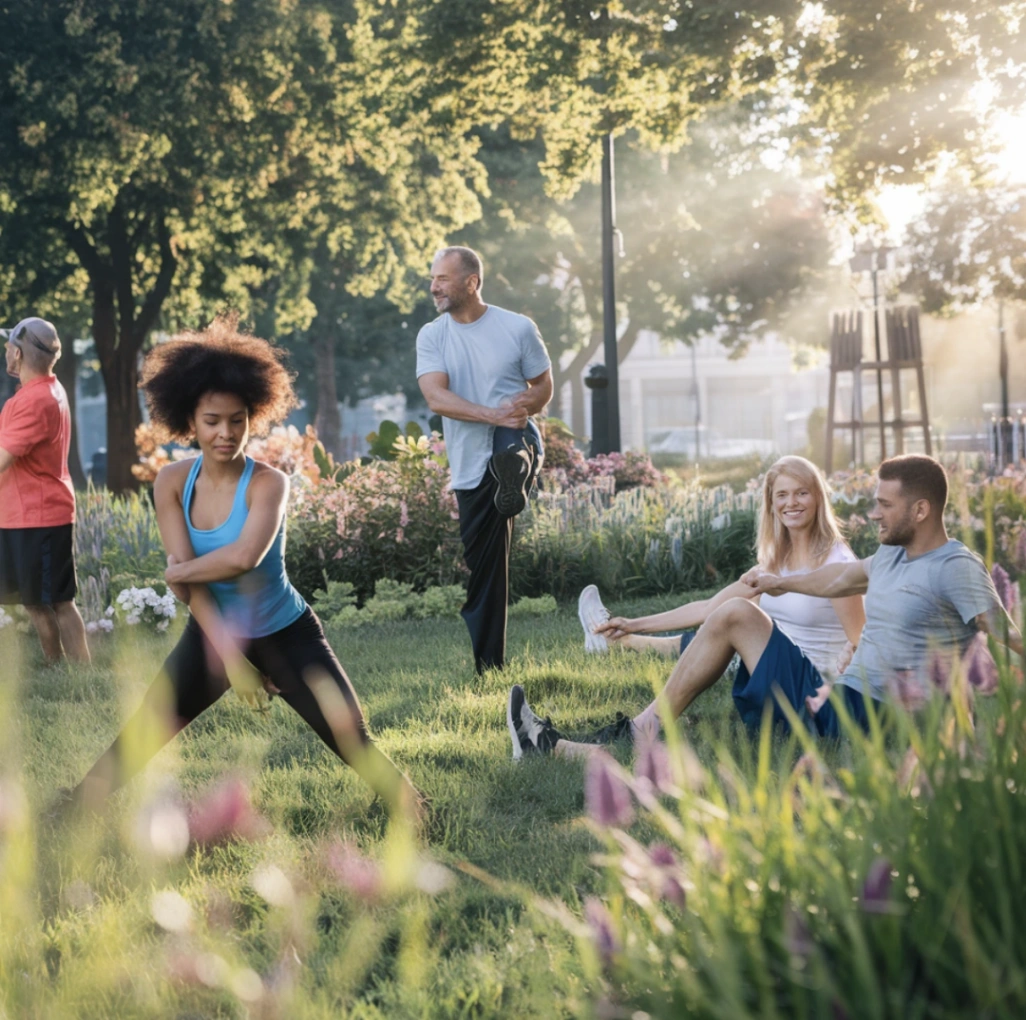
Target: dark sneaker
(511, 469)
(619, 729)
(530, 734)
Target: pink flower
(603, 934)
(668, 883)
(980, 667)
(1003, 584)
(355, 872)
(907, 689)
(876, 888)
(652, 766)
(606, 796)
(224, 812)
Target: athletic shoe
(530, 735)
(511, 469)
(619, 729)
(592, 613)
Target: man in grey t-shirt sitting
(926, 594)
(485, 370)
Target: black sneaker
(619, 729)
(512, 470)
(530, 735)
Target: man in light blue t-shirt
(485, 370)
(926, 594)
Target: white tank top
(809, 621)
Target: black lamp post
(609, 232)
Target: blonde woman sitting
(791, 641)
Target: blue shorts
(784, 666)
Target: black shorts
(37, 565)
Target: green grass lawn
(775, 861)
(482, 954)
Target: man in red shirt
(37, 499)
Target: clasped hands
(515, 410)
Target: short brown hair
(921, 477)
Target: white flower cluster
(138, 604)
(106, 624)
(5, 618)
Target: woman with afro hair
(222, 519)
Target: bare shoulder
(171, 477)
(269, 481)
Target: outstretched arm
(268, 495)
(834, 581)
(687, 617)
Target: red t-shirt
(35, 427)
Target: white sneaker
(592, 613)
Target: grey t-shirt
(485, 361)
(914, 607)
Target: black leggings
(290, 658)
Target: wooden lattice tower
(904, 351)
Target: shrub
(544, 605)
(386, 519)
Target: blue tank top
(262, 600)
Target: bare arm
(851, 611)
(998, 624)
(834, 581)
(167, 498)
(441, 400)
(694, 614)
(268, 495)
(6, 460)
(537, 395)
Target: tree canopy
(165, 160)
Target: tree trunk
(328, 421)
(67, 372)
(120, 329)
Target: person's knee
(733, 615)
(65, 609)
(40, 612)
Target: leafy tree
(163, 160)
(968, 246)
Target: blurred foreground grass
(333, 913)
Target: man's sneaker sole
(511, 471)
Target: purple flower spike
(603, 935)
(877, 886)
(653, 766)
(1003, 584)
(668, 885)
(980, 668)
(940, 672)
(1020, 550)
(606, 796)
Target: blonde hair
(774, 546)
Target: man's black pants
(487, 537)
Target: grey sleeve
(429, 353)
(534, 359)
(967, 585)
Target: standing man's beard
(901, 533)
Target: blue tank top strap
(239, 503)
(190, 484)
